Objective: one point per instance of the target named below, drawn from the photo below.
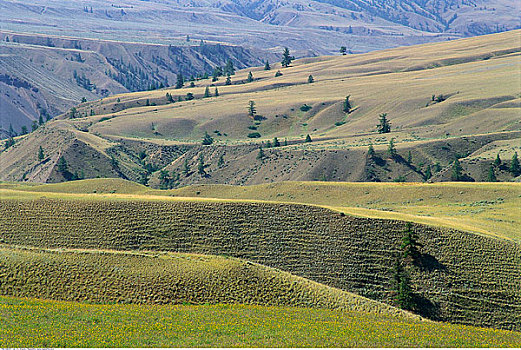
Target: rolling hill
(441, 100)
(352, 253)
(43, 75)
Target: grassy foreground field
(40, 323)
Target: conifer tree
(41, 156)
(207, 139)
(497, 161)
(457, 171)
(286, 58)
(410, 246)
(201, 166)
(276, 142)
(251, 108)
(228, 80)
(220, 163)
(250, 77)
(347, 105)
(391, 149)
(216, 92)
(260, 155)
(384, 126)
(515, 169)
(180, 81)
(491, 176)
(186, 167)
(207, 92)
(370, 151)
(308, 138)
(311, 79)
(267, 65)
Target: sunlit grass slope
(355, 254)
(485, 208)
(99, 276)
(39, 323)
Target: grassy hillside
(489, 209)
(98, 276)
(67, 324)
(47, 75)
(350, 253)
(447, 117)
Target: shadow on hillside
(429, 263)
(426, 308)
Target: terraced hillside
(461, 277)
(456, 111)
(97, 276)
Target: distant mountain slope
(46, 75)
(309, 27)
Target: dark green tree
(186, 167)
(23, 130)
(220, 163)
(10, 142)
(515, 169)
(34, 125)
(343, 50)
(311, 79)
(251, 109)
(250, 77)
(216, 93)
(189, 96)
(201, 166)
(276, 142)
(73, 113)
(180, 81)
(491, 176)
(41, 156)
(409, 158)
(402, 287)
(207, 92)
(229, 69)
(410, 246)
(391, 149)
(457, 171)
(40, 120)
(63, 167)
(497, 161)
(11, 131)
(207, 139)
(347, 105)
(286, 58)
(370, 152)
(228, 80)
(308, 138)
(267, 65)
(384, 126)
(437, 167)
(260, 155)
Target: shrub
(254, 135)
